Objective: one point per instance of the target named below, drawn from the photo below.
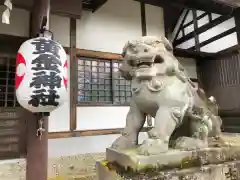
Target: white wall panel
(154, 20)
(203, 21)
(189, 17)
(109, 28)
(59, 119)
(101, 117)
(215, 16)
(189, 29)
(199, 12)
(60, 26)
(224, 26)
(187, 44)
(221, 44)
(19, 22)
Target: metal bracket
(40, 129)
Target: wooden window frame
(112, 89)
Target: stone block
(223, 171)
(173, 158)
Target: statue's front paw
(123, 142)
(152, 147)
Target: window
(99, 82)
(7, 83)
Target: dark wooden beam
(10, 44)
(171, 16)
(192, 54)
(205, 5)
(143, 19)
(70, 9)
(195, 25)
(227, 52)
(73, 75)
(231, 3)
(198, 18)
(96, 4)
(180, 27)
(37, 148)
(201, 29)
(98, 54)
(237, 22)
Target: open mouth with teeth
(147, 64)
(144, 64)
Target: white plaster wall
(222, 43)
(109, 28)
(19, 22)
(60, 26)
(59, 119)
(154, 20)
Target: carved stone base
(221, 161)
(173, 158)
(224, 171)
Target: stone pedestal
(213, 163)
(223, 171)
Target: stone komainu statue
(161, 88)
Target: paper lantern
(41, 75)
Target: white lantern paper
(41, 75)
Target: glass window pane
(94, 79)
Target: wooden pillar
(237, 22)
(37, 149)
(41, 8)
(143, 18)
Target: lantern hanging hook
(40, 129)
(44, 32)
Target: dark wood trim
(197, 17)
(237, 22)
(10, 44)
(98, 54)
(93, 6)
(195, 24)
(192, 54)
(96, 4)
(210, 17)
(95, 104)
(214, 38)
(204, 5)
(202, 29)
(143, 19)
(73, 75)
(229, 113)
(180, 26)
(228, 51)
(194, 80)
(69, 134)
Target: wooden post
(37, 149)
